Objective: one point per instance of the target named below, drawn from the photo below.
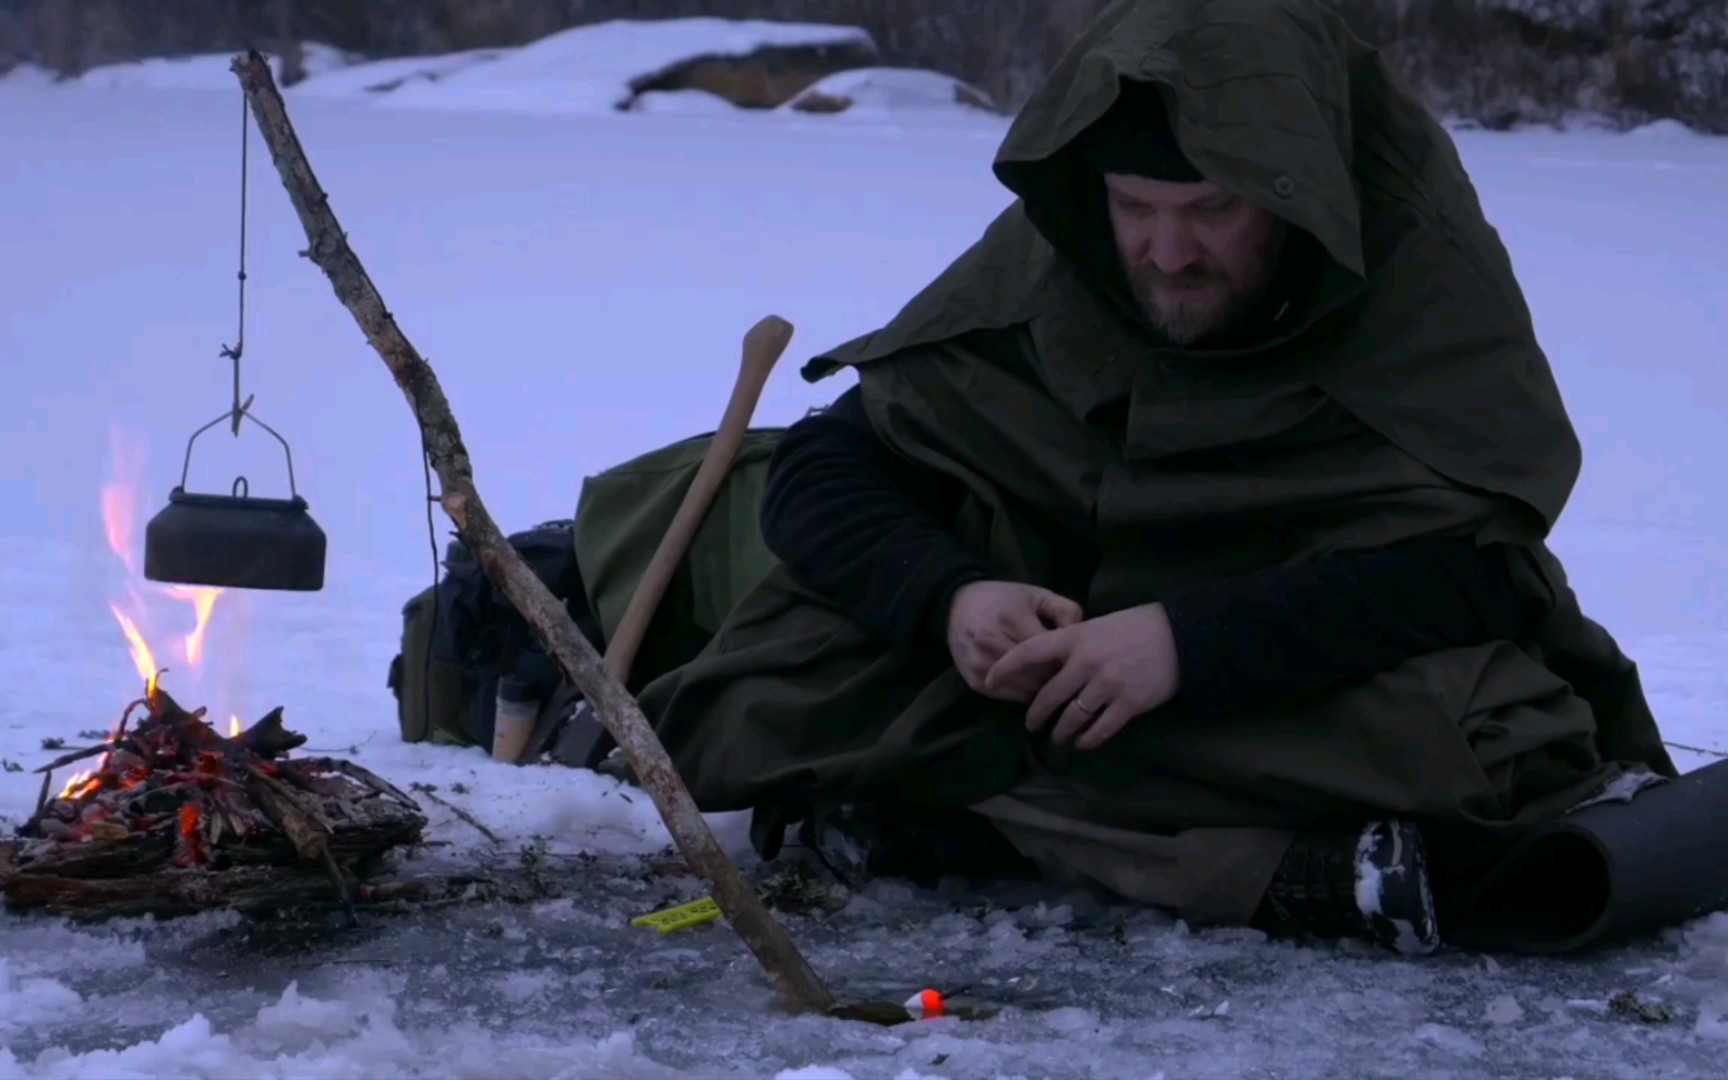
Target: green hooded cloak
(1402, 395)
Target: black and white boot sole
(1392, 888)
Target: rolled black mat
(1607, 870)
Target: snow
(585, 69)
(202, 72)
(685, 102)
(26, 75)
(886, 91)
(1660, 131)
(591, 68)
(581, 280)
(383, 76)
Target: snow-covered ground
(580, 281)
(590, 68)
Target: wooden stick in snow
(328, 248)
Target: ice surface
(581, 283)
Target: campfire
(176, 817)
(173, 816)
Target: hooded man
(1187, 533)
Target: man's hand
(988, 618)
(1099, 674)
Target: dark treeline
(1494, 61)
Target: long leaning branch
(329, 250)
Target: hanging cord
(238, 409)
(432, 630)
(241, 410)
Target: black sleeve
(1305, 627)
(862, 525)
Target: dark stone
(764, 79)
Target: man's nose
(1170, 244)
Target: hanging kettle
(236, 541)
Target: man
(1187, 532)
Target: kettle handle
(241, 488)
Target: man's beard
(1222, 307)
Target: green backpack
(460, 637)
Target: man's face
(1196, 256)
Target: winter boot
(857, 841)
(1373, 885)
(848, 840)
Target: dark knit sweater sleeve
(863, 526)
(1305, 627)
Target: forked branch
(327, 246)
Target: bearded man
(1185, 538)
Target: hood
(1414, 321)
(1257, 93)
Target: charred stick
(75, 755)
(328, 248)
(215, 823)
(163, 708)
(126, 718)
(328, 787)
(463, 814)
(239, 821)
(344, 895)
(29, 827)
(268, 738)
(363, 775)
(303, 825)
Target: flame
(142, 659)
(74, 788)
(203, 601)
(72, 784)
(121, 514)
(117, 523)
(233, 727)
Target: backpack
(461, 636)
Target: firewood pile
(176, 818)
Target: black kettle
(235, 541)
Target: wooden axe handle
(763, 346)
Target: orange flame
(120, 507)
(121, 514)
(141, 656)
(203, 601)
(76, 787)
(233, 727)
(119, 522)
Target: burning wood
(176, 818)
